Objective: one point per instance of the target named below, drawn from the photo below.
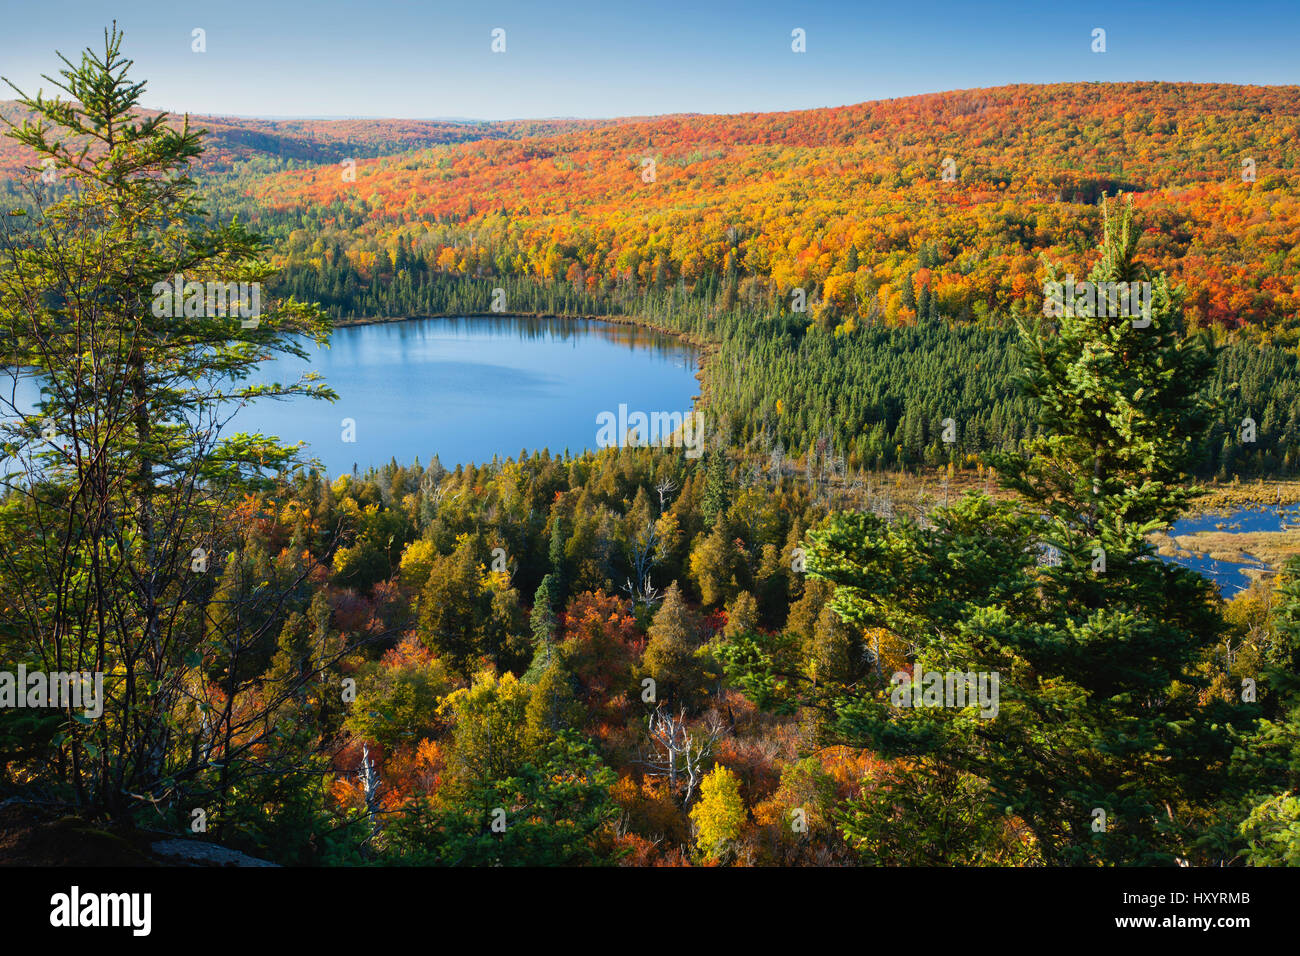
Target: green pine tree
(718, 488)
(1098, 657)
(125, 530)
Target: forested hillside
(248, 145)
(850, 204)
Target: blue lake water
(466, 389)
(1228, 575)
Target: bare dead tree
(643, 592)
(665, 488)
(644, 555)
(438, 493)
(370, 788)
(680, 756)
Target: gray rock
(197, 853)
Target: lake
(466, 389)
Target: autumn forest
(907, 606)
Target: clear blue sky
(594, 58)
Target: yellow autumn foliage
(720, 815)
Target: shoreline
(1219, 497)
(1235, 495)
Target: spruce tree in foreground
(120, 480)
(1100, 745)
